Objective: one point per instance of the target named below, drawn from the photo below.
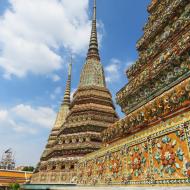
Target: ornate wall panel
(159, 155)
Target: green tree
(28, 169)
(14, 186)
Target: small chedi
(151, 144)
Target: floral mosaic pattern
(171, 156)
(137, 162)
(115, 165)
(161, 158)
(100, 167)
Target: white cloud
(25, 129)
(72, 92)
(57, 91)
(26, 119)
(31, 33)
(52, 96)
(128, 65)
(112, 71)
(55, 78)
(3, 115)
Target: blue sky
(35, 40)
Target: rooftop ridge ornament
(93, 51)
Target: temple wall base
(158, 156)
(56, 177)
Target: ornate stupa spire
(92, 73)
(93, 45)
(65, 106)
(66, 99)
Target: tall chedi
(91, 111)
(61, 115)
(60, 119)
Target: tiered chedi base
(91, 112)
(64, 110)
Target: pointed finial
(94, 3)
(66, 100)
(94, 10)
(70, 65)
(93, 51)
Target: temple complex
(89, 145)
(79, 123)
